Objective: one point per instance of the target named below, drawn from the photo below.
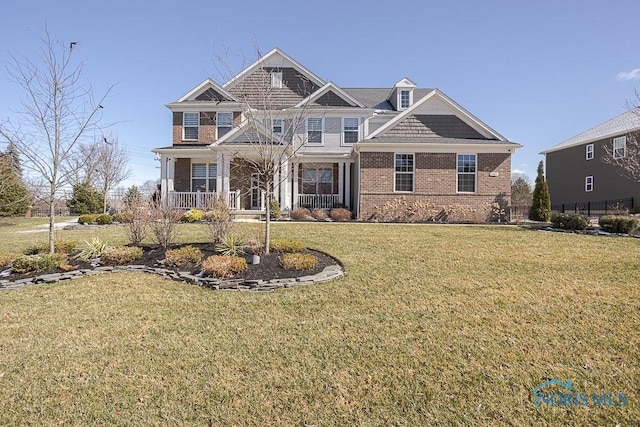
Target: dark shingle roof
(432, 140)
(376, 98)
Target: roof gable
(208, 90)
(331, 95)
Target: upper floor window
(405, 99)
(466, 173)
(224, 122)
(588, 183)
(203, 177)
(350, 130)
(276, 126)
(276, 80)
(190, 125)
(314, 130)
(589, 152)
(619, 147)
(404, 172)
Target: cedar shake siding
(567, 169)
(445, 126)
(435, 178)
(210, 95)
(330, 99)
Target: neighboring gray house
(580, 180)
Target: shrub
(298, 261)
(183, 257)
(93, 250)
(136, 228)
(274, 209)
(38, 263)
(340, 214)
(255, 246)
(121, 255)
(224, 266)
(193, 215)
(6, 259)
(163, 223)
(218, 220)
(104, 219)
(618, 223)
(301, 214)
(60, 246)
(635, 210)
(319, 214)
(286, 245)
(399, 210)
(231, 245)
(568, 221)
(87, 218)
(124, 217)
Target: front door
(255, 191)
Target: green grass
(436, 325)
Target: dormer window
(405, 99)
(276, 80)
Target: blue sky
(537, 72)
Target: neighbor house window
(314, 130)
(317, 179)
(276, 80)
(350, 130)
(190, 124)
(588, 183)
(589, 151)
(224, 122)
(466, 173)
(619, 147)
(203, 177)
(405, 99)
(276, 125)
(404, 172)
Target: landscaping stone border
(329, 273)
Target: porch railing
(201, 200)
(318, 201)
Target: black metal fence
(597, 208)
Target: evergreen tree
(85, 199)
(14, 196)
(132, 198)
(541, 206)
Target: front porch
(201, 200)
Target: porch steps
(247, 215)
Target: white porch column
(341, 181)
(285, 178)
(226, 160)
(294, 202)
(276, 180)
(166, 177)
(347, 184)
(219, 172)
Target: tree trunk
(52, 214)
(267, 227)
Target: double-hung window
(190, 125)
(404, 170)
(589, 151)
(588, 183)
(224, 122)
(405, 99)
(276, 126)
(203, 177)
(466, 173)
(619, 147)
(350, 130)
(314, 130)
(276, 80)
(317, 179)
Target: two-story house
(580, 177)
(330, 146)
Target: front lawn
(431, 325)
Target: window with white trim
(190, 125)
(619, 147)
(588, 183)
(276, 80)
(350, 130)
(276, 126)
(224, 123)
(403, 169)
(589, 151)
(315, 130)
(466, 173)
(317, 179)
(203, 177)
(405, 99)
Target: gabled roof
(203, 87)
(456, 109)
(377, 98)
(248, 130)
(331, 87)
(624, 123)
(275, 58)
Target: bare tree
(111, 165)
(57, 113)
(626, 157)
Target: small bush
(224, 266)
(254, 246)
(298, 261)
(93, 250)
(231, 245)
(618, 223)
(274, 209)
(635, 210)
(193, 215)
(60, 246)
(286, 245)
(319, 214)
(124, 217)
(6, 259)
(104, 219)
(568, 221)
(340, 214)
(87, 218)
(183, 257)
(301, 214)
(120, 255)
(38, 263)
(218, 220)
